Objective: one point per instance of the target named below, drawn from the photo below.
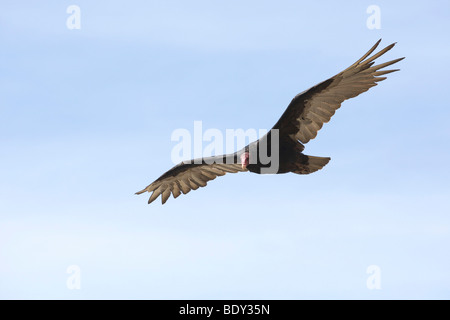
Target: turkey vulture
(304, 116)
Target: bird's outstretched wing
(309, 110)
(190, 175)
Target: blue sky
(86, 118)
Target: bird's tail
(312, 165)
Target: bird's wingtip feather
(142, 191)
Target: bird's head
(245, 160)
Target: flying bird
(300, 122)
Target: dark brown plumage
(301, 121)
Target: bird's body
(284, 143)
